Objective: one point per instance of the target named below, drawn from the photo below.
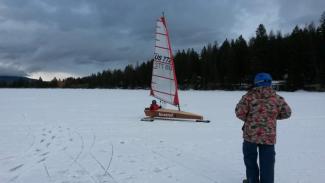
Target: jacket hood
(262, 92)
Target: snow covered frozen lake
(96, 136)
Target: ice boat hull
(172, 114)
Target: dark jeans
(264, 173)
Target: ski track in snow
(50, 144)
(37, 154)
(42, 153)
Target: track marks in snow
(190, 160)
(62, 154)
(134, 162)
(105, 170)
(16, 168)
(176, 163)
(45, 146)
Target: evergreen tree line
(296, 60)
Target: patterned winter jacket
(259, 108)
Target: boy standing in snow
(259, 108)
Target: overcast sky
(63, 38)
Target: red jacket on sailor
(154, 107)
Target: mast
(176, 100)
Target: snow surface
(96, 136)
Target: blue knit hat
(263, 79)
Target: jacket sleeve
(284, 109)
(242, 108)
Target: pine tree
(259, 51)
(321, 47)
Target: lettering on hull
(169, 115)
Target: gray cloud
(8, 70)
(299, 12)
(87, 36)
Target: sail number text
(162, 58)
(162, 62)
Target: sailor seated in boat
(154, 106)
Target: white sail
(164, 82)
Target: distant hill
(11, 79)
(25, 82)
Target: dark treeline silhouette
(296, 60)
